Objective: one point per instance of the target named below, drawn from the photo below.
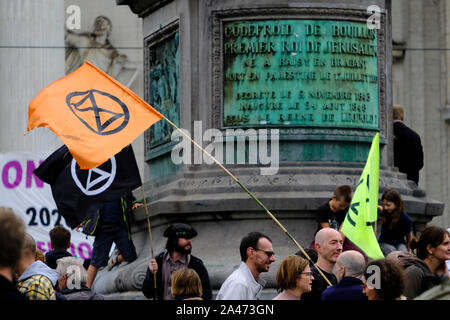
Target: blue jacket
(349, 288)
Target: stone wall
(420, 82)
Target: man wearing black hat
(176, 256)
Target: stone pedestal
(213, 204)
(314, 157)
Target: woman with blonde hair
(186, 285)
(295, 277)
(40, 255)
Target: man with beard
(176, 256)
(244, 283)
(328, 243)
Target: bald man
(328, 244)
(349, 270)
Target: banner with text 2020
(32, 200)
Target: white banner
(32, 200)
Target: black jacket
(148, 287)
(8, 292)
(91, 222)
(408, 151)
(318, 285)
(52, 256)
(349, 288)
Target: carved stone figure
(164, 70)
(97, 49)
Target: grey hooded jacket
(419, 277)
(39, 268)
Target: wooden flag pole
(254, 197)
(150, 236)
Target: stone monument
(309, 81)
(97, 49)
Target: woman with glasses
(294, 278)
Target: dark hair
(392, 279)
(171, 244)
(250, 241)
(394, 197)
(312, 253)
(12, 237)
(343, 193)
(431, 235)
(175, 231)
(60, 238)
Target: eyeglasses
(309, 274)
(268, 253)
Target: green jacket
(439, 292)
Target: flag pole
(254, 197)
(150, 236)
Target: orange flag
(92, 113)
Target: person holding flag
(176, 256)
(96, 117)
(99, 200)
(111, 224)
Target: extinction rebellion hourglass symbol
(101, 112)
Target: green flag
(362, 214)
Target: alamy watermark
(73, 277)
(73, 21)
(253, 146)
(374, 280)
(373, 22)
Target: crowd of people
(332, 268)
